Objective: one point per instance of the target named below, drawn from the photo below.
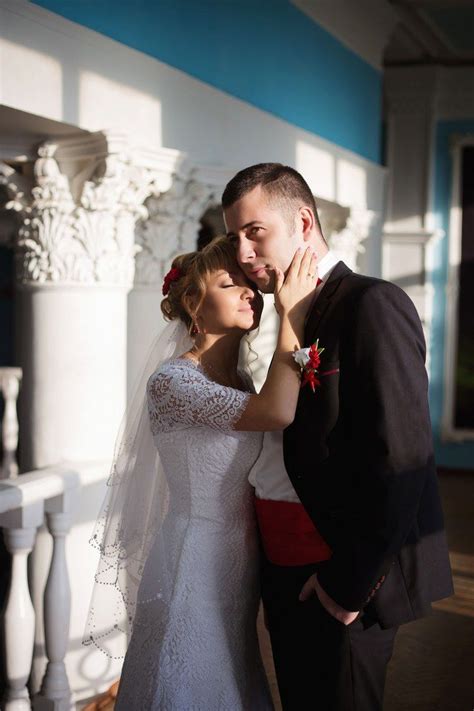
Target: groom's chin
(266, 288)
(265, 285)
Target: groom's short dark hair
(283, 185)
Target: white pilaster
(411, 96)
(407, 262)
(411, 100)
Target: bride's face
(231, 303)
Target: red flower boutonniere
(309, 360)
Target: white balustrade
(19, 617)
(10, 379)
(55, 692)
(24, 502)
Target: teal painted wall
(452, 454)
(267, 53)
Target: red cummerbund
(288, 534)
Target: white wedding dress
(198, 649)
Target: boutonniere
(309, 360)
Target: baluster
(55, 693)
(19, 616)
(10, 384)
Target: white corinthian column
(171, 228)
(75, 265)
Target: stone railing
(26, 501)
(10, 379)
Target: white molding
(214, 175)
(410, 95)
(446, 92)
(18, 149)
(460, 140)
(449, 432)
(422, 293)
(413, 237)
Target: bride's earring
(195, 330)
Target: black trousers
(320, 663)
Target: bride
(177, 533)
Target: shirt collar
(325, 267)
(327, 264)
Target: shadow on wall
(105, 85)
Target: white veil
(130, 522)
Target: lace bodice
(180, 395)
(198, 648)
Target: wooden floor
(432, 668)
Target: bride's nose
(247, 293)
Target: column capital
(347, 242)
(78, 220)
(174, 220)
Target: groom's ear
(307, 222)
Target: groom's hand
(312, 587)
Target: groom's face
(263, 237)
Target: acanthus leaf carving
(172, 226)
(90, 242)
(347, 243)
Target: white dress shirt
(268, 475)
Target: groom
(347, 496)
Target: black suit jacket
(359, 452)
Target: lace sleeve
(181, 396)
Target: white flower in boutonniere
(309, 360)
(301, 357)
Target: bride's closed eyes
(228, 281)
(232, 280)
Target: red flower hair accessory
(173, 275)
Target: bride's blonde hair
(187, 290)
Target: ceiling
(432, 32)
(399, 32)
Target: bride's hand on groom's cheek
(294, 291)
(312, 587)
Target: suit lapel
(324, 299)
